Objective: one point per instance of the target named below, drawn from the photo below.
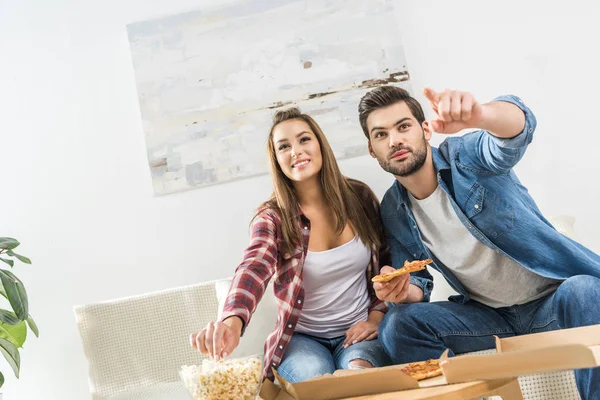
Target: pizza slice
(423, 369)
(408, 267)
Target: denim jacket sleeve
(424, 280)
(496, 154)
(399, 254)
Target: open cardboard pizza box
(384, 384)
(388, 383)
(565, 349)
(341, 384)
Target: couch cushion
(261, 324)
(141, 341)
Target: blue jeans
(413, 332)
(309, 356)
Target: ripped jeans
(309, 356)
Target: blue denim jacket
(476, 171)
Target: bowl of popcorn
(232, 379)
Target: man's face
(397, 140)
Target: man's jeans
(419, 331)
(309, 356)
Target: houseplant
(13, 322)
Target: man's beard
(409, 166)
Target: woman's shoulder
(265, 211)
(269, 212)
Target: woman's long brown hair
(339, 193)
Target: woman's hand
(218, 339)
(364, 330)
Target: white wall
(77, 189)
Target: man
(462, 205)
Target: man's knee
(580, 288)
(577, 300)
(401, 320)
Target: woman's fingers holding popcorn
(218, 339)
(208, 339)
(218, 336)
(225, 340)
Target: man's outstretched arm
(504, 126)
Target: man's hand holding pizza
(393, 285)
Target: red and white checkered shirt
(265, 258)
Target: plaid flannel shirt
(264, 258)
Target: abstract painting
(209, 81)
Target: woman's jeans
(309, 356)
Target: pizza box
(516, 356)
(341, 384)
(382, 384)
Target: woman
(319, 236)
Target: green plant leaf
(21, 258)
(16, 334)
(1, 379)
(9, 262)
(8, 317)
(16, 294)
(8, 243)
(33, 326)
(11, 353)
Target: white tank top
(335, 286)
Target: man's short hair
(385, 96)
